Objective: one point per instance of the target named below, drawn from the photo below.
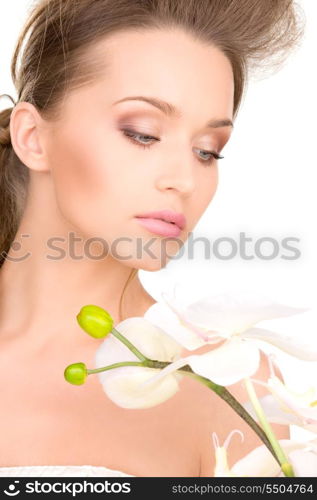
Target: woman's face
(106, 169)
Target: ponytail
(13, 183)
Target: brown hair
(251, 33)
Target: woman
(123, 109)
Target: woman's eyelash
(131, 134)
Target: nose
(178, 174)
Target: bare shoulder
(208, 413)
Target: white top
(61, 470)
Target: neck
(40, 296)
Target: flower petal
(124, 387)
(294, 346)
(221, 467)
(236, 311)
(150, 339)
(161, 315)
(304, 463)
(261, 463)
(179, 363)
(295, 402)
(224, 365)
(273, 411)
(123, 384)
(231, 362)
(312, 444)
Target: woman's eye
(133, 136)
(211, 155)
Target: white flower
(123, 384)
(222, 468)
(228, 318)
(261, 463)
(287, 406)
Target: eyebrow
(171, 111)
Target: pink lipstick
(163, 222)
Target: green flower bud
(95, 321)
(76, 373)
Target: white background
(267, 188)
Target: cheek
(214, 182)
(208, 188)
(85, 190)
(95, 180)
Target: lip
(163, 222)
(167, 216)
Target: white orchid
(123, 384)
(261, 463)
(129, 365)
(228, 318)
(222, 468)
(286, 406)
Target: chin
(151, 264)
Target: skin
(82, 168)
(88, 178)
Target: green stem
(264, 434)
(129, 345)
(115, 365)
(220, 390)
(224, 394)
(282, 458)
(238, 408)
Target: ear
(27, 136)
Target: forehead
(169, 64)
